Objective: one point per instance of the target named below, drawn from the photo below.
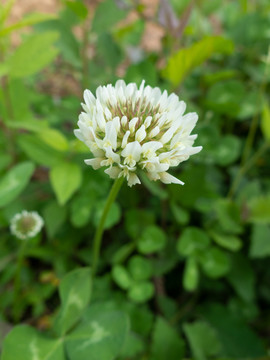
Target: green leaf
(132, 346)
(215, 262)
(265, 122)
(191, 274)
(141, 291)
(54, 138)
(136, 221)
(29, 124)
(33, 55)
(65, 179)
(226, 97)
(121, 277)
(75, 292)
(121, 254)
(54, 216)
(236, 338)
(78, 8)
(141, 318)
(140, 268)
(181, 215)
(37, 151)
(251, 105)
(26, 343)
(166, 342)
(102, 22)
(242, 277)
(28, 20)
(100, 335)
(259, 208)
(81, 210)
(193, 190)
(192, 240)
(228, 150)
(5, 161)
(14, 182)
(229, 242)
(153, 239)
(260, 241)
(135, 73)
(5, 10)
(185, 60)
(229, 217)
(109, 53)
(3, 69)
(202, 340)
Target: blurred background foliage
(189, 265)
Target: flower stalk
(100, 229)
(17, 281)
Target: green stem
(17, 280)
(100, 229)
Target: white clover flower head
(26, 224)
(129, 128)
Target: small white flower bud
(26, 224)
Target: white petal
(173, 101)
(113, 172)
(101, 94)
(133, 179)
(95, 163)
(169, 133)
(149, 149)
(124, 121)
(181, 107)
(112, 155)
(132, 124)
(108, 114)
(163, 99)
(194, 150)
(132, 149)
(116, 123)
(130, 90)
(89, 98)
(161, 167)
(110, 138)
(141, 88)
(154, 132)
(154, 176)
(125, 139)
(162, 120)
(140, 134)
(78, 134)
(168, 179)
(85, 118)
(147, 121)
(101, 121)
(120, 84)
(153, 145)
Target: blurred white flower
(26, 224)
(128, 128)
